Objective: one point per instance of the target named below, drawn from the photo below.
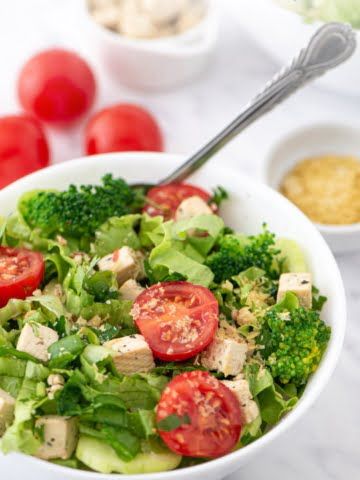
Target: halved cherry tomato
(121, 128)
(177, 319)
(57, 85)
(23, 147)
(165, 199)
(21, 272)
(212, 413)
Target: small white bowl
(154, 64)
(251, 203)
(312, 141)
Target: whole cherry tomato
(57, 86)
(23, 147)
(123, 127)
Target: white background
(325, 444)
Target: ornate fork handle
(330, 46)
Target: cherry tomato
(57, 86)
(165, 199)
(21, 272)
(123, 127)
(210, 412)
(23, 147)
(177, 319)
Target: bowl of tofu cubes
(161, 333)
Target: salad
(139, 333)
(347, 11)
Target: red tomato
(23, 147)
(165, 199)
(122, 128)
(177, 319)
(212, 412)
(21, 272)
(57, 86)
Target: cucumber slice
(100, 457)
(291, 255)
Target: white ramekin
(251, 203)
(316, 140)
(153, 64)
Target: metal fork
(331, 45)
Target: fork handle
(331, 45)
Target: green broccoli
(293, 344)
(236, 253)
(78, 211)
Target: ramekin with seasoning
(151, 44)
(318, 169)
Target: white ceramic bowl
(153, 64)
(317, 140)
(282, 32)
(251, 204)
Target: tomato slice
(21, 272)
(212, 412)
(165, 199)
(177, 319)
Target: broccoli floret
(293, 344)
(235, 254)
(79, 211)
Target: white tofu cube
(60, 437)
(35, 339)
(130, 290)
(125, 263)
(192, 207)
(224, 355)
(7, 407)
(133, 354)
(298, 283)
(242, 392)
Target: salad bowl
(249, 206)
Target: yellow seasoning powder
(326, 188)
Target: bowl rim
(331, 229)
(204, 34)
(322, 375)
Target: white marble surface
(325, 444)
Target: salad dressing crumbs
(326, 188)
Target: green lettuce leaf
(20, 435)
(11, 385)
(272, 404)
(115, 233)
(65, 351)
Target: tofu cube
(298, 283)
(132, 354)
(60, 437)
(242, 392)
(224, 355)
(192, 207)
(125, 263)
(130, 290)
(7, 407)
(35, 339)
